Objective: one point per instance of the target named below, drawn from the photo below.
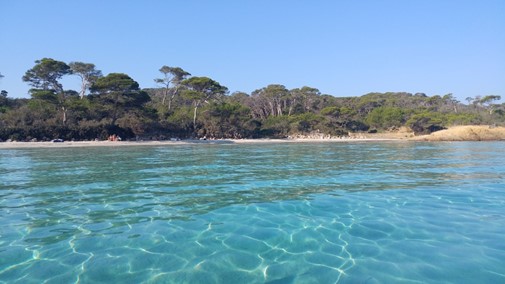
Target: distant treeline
(185, 106)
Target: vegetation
(193, 107)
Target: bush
(276, 126)
(426, 123)
(385, 117)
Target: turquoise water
(261, 213)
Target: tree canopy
(46, 74)
(88, 74)
(186, 106)
(45, 78)
(116, 93)
(171, 82)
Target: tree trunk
(166, 90)
(83, 88)
(164, 98)
(197, 104)
(290, 110)
(64, 118)
(171, 98)
(279, 109)
(114, 111)
(272, 108)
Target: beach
(66, 144)
(457, 133)
(466, 133)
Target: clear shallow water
(265, 213)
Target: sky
(341, 47)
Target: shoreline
(69, 144)
(453, 134)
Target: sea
(334, 212)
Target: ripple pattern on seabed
(300, 213)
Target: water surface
(259, 213)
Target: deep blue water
(259, 213)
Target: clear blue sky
(343, 48)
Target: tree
(227, 120)
(239, 97)
(477, 101)
(45, 76)
(434, 102)
(171, 82)
(117, 93)
(3, 101)
(201, 90)
(469, 100)
(306, 96)
(87, 73)
(271, 100)
(452, 101)
(487, 102)
(426, 122)
(385, 117)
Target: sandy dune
(466, 133)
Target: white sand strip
(14, 145)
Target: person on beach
(114, 137)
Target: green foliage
(87, 73)
(46, 74)
(193, 95)
(48, 96)
(204, 87)
(181, 117)
(171, 83)
(489, 99)
(45, 77)
(385, 117)
(117, 94)
(276, 126)
(4, 101)
(171, 76)
(346, 111)
(305, 122)
(330, 111)
(461, 119)
(115, 83)
(188, 106)
(202, 90)
(426, 122)
(227, 120)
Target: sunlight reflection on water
(308, 212)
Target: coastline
(465, 133)
(457, 133)
(69, 144)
